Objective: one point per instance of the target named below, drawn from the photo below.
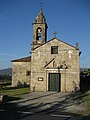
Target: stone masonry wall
(21, 73)
(66, 55)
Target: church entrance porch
(54, 82)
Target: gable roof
(52, 40)
(25, 59)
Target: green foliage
(87, 72)
(1, 88)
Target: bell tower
(39, 30)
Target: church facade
(53, 65)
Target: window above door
(54, 49)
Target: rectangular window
(54, 49)
(28, 73)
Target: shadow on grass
(9, 98)
(17, 87)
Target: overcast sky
(69, 18)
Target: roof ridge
(53, 39)
(24, 59)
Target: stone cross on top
(54, 34)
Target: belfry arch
(39, 33)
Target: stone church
(53, 65)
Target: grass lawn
(15, 92)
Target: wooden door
(54, 82)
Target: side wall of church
(21, 73)
(42, 55)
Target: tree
(87, 72)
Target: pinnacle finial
(40, 18)
(77, 45)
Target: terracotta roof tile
(26, 59)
